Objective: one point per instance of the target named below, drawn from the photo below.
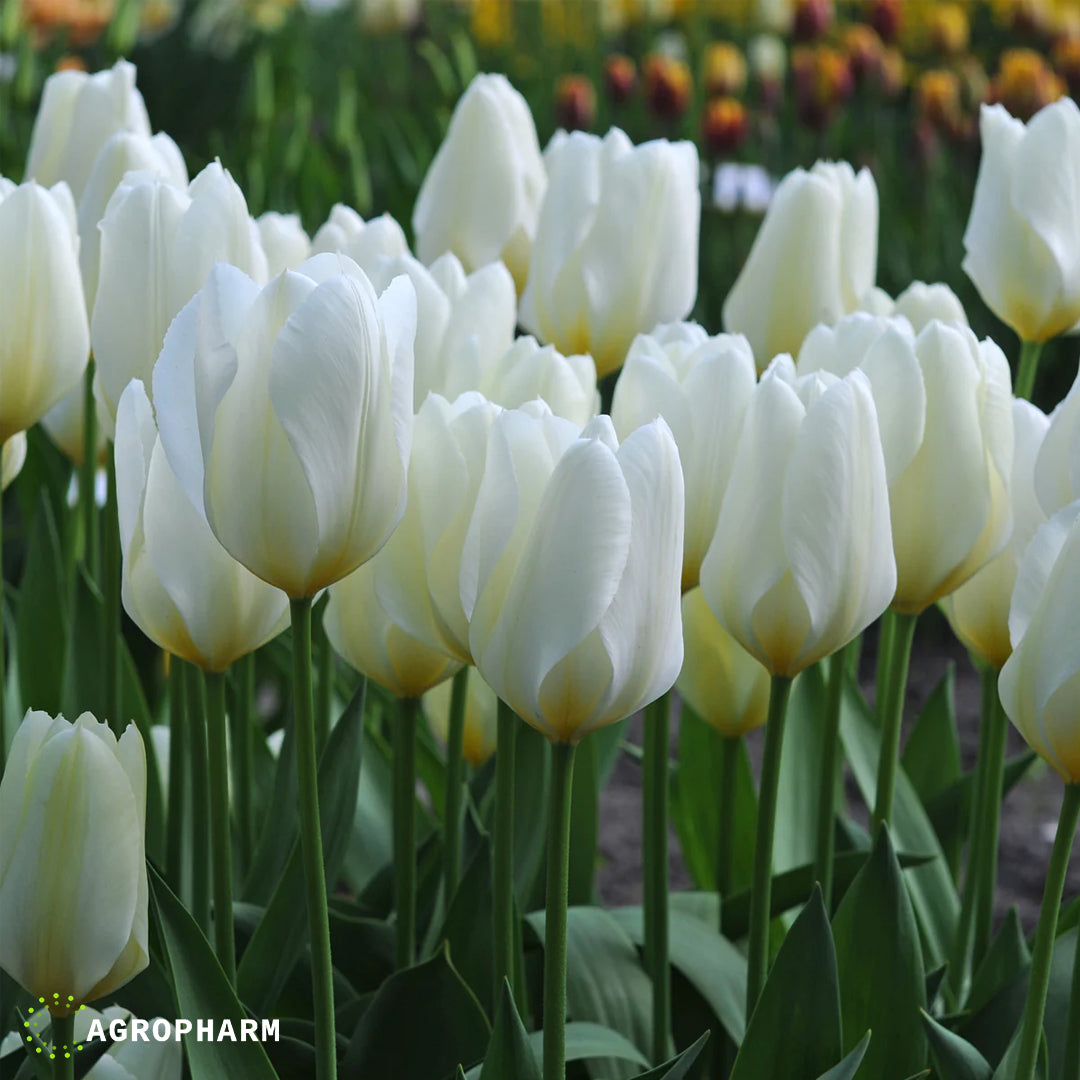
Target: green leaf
(467, 928)
(363, 950)
(1008, 1067)
(509, 1054)
(279, 827)
(847, 1068)
(532, 769)
(954, 1058)
(882, 979)
(1007, 957)
(372, 844)
(678, 1068)
(422, 1024)
(1056, 1017)
(279, 938)
(584, 1041)
(202, 990)
(801, 998)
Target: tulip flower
(158, 243)
(701, 386)
(490, 213)
(593, 282)
(480, 721)
(77, 115)
(813, 260)
(73, 889)
(44, 341)
(919, 303)
(12, 458)
(528, 371)
(284, 241)
(1057, 468)
(345, 232)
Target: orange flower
(575, 102)
(724, 69)
(724, 124)
(822, 80)
(950, 30)
(938, 100)
(1025, 83)
(82, 20)
(864, 49)
(620, 77)
(668, 85)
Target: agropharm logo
(160, 1030)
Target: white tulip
(481, 718)
(1057, 469)
(284, 241)
(12, 458)
(347, 233)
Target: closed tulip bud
(1025, 83)
(284, 241)
(365, 242)
(286, 413)
(1038, 684)
(813, 260)
(620, 78)
(44, 342)
(801, 560)
(886, 17)
(12, 458)
(978, 611)
(724, 125)
(1066, 56)
(864, 48)
(949, 29)
(719, 680)
(768, 63)
(481, 718)
(1022, 241)
(527, 371)
(593, 283)
(179, 585)
(921, 304)
(813, 18)
(575, 102)
(724, 69)
(701, 386)
(73, 890)
(158, 243)
(1057, 471)
(668, 85)
(77, 115)
(570, 570)
(489, 213)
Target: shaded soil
(1029, 815)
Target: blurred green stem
(502, 869)
(307, 765)
(200, 799)
(558, 884)
(243, 753)
(655, 836)
(178, 744)
(87, 476)
(826, 829)
(324, 684)
(220, 823)
(63, 1047)
(404, 728)
(1031, 1029)
(1072, 1039)
(1030, 352)
(892, 715)
(110, 587)
(729, 774)
(455, 739)
(761, 889)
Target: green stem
(243, 753)
(826, 829)
(1031, 1029)
(761, 888)
(220, 824)
(3, 669)
(729, 772)
(884, 653)
(892, 717)
(63, 1047)
(558, 885)
(87, 472)
(655, 835)
(1072, 1039)
(502, 867)
(322, 970)
(178, 742)
(1030, 352)
(404, 729)
(324, 684)
(200, 800)
(110, 587)
(455, 740)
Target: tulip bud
(814, 258)
(287, 416)
(949, 30)
(345, 232)
(593, 283)
(1022, 242)
(919, 304)
(284, 241)
(73, 890)
(886, 17)
(978, 611)
(1066, 57)
(44, 342)
(528, 371)
(768, 62)
(668, 85)
(481, 718)
(77, 115)
(724, 69)
(719, 680)
(575, 103)
(801, 560)
(142, 1059)
(489, 213)
(179, 585)
(813, 18)
(701, 386)
(937, 97)
(724, 125)
(864, 48)
(1038, 684)
(892, 73)
(570, 570)
(1025, 83)
(620, 78)
(823, 82)
(158, 243)
(12, 458)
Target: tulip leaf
(279, 938)
(279, 826)
(363, 950)
(422, 1023)
(532, 769)
(954, 1058)
(509, 1054)
(203, 991)
(801, 998)
(1007, 1069)
(678, 1068)
(467, 927)
(847, 1068)
(882, 978)
(371, 847)
(1007, 957)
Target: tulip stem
(324, 684)
(63, 1047)
(826, 828)
(307, 769)
(1031, 1029)
(455, 739)
(892, 716)
(761, 888)
(3, 669)
(178, 742)
(87, 473)
(110, 587)
(243, 752)
(558, 885)
(729, 779)
(200, 800)
(655, 836)
(887, 630)
(1072, 1039)
(1030, 351)
(405, 829)
(502, 860)
(220, 824)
